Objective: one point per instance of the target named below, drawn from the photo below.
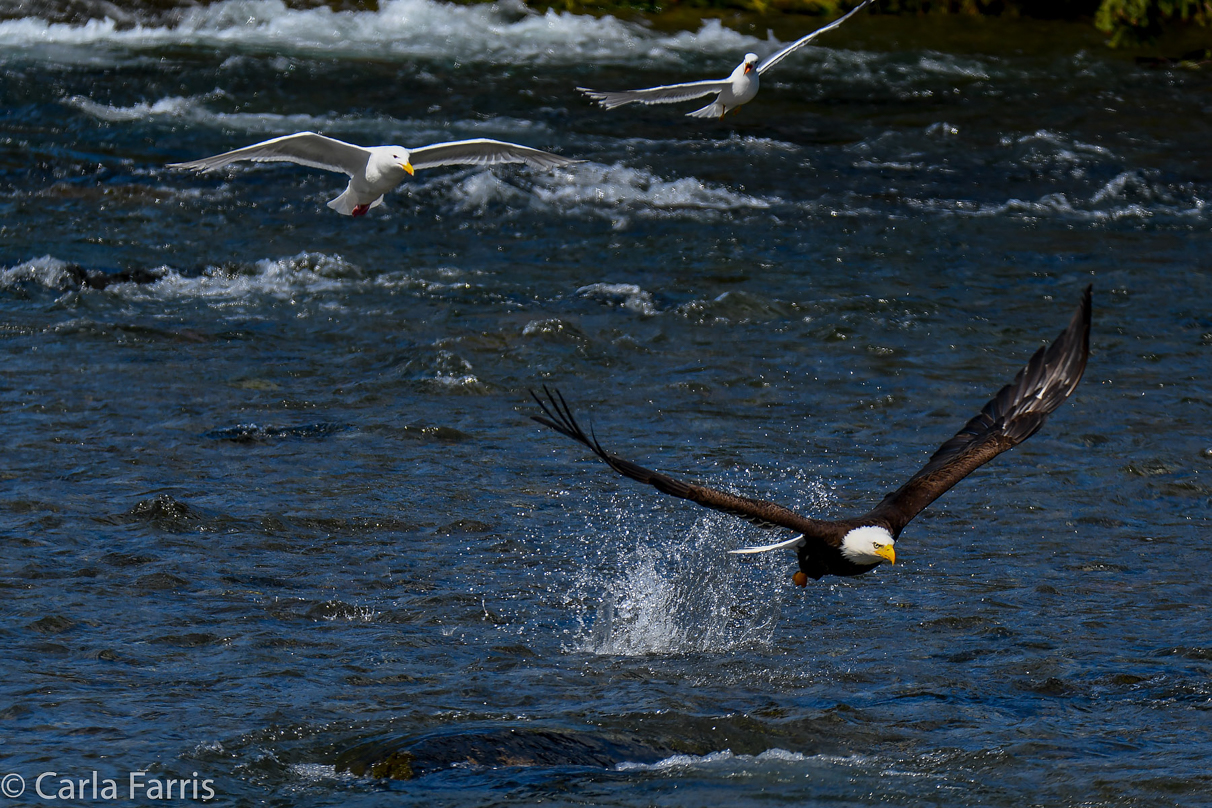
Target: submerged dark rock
(161, 511)
(165, 513)
(53, 624)
(99, 279)
(463, 526)
(161, 581)
(400, 758)
(255, 433)
(162, 506)
(438, 433)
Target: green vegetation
(1127, 22)
(1130, 22)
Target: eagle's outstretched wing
(1016, 413)
(761, 513)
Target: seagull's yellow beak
(407, 166)
(887, 551)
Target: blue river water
(274, 515)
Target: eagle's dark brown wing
(1017, 411)
(761, 513)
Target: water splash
(682, 592)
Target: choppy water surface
(273, 510)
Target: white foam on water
(1065, 206)
(1143, 190)
(448, 371)
(727, 761)
(951, 66)
(503, 32)
(906, 73)
(736, 306)
(319, 773)
(193, 110)
(280, 278)
(618, 185)
(600, 191)
(321, 279)
(623, 295)
(1077, 171)
(47, 272)
(1058, 141)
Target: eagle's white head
(869, 545)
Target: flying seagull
(739, 88)
(856, 545)
(375, 170)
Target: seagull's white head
(869, 545)
(390, 160)
(750, 63)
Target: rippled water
(273, 510)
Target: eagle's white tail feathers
(795, 542)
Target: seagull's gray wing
(665, 94)
(304, 148)
(771, 61)
(1017, 411)
(483, 152)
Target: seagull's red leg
(359, 210)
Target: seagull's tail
(345, 203)
(713, 110)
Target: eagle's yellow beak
(407, 166)
(887, 551)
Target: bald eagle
(857, 545)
